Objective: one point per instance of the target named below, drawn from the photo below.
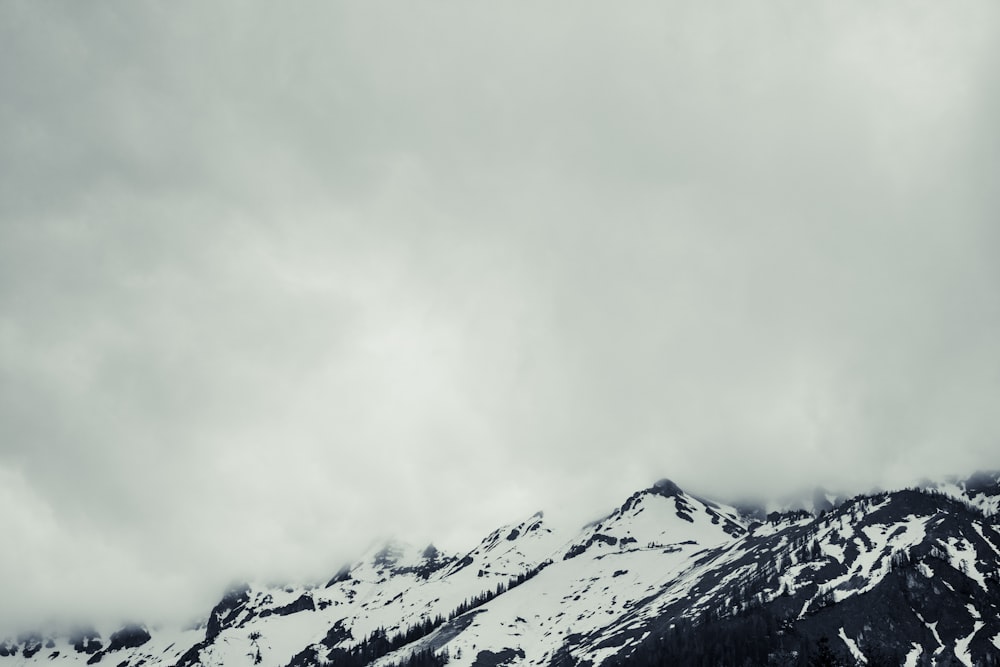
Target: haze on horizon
(277, 280)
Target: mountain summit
(905, 577)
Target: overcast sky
(276, 280)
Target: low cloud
(276, 282)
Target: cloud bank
(277, 280)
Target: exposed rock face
(910, 576)
(131, 636)
(665, 487)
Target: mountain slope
(667, 578)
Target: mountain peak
(983, 482)
(665, 488)
(908, 576)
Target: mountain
(906, 577)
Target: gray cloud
(276, 281)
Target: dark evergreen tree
(824, 656)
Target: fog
(279, 281)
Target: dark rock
(131, 636)
(665, 488)
(498, 658)
(304, 602)
(225, 613)
(343, 574)
(192, 656)
(983, 483)
(465, 562)
(86, 640)
(386, 557)
(32, 644)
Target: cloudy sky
(277, 280)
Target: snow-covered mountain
(905, 577)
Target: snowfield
(925, 560)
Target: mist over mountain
(908, 576)
(281, 282)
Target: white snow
(853, 647)
(962, 556)
(979, 529)
(873, 562)
(987, 504)
(834, 551)
(962, 645)
(913, 656)
(933, 628)
(625, 571)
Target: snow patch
(962, 645)
(853, 647)
(913, 656)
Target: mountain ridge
(910, 576)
